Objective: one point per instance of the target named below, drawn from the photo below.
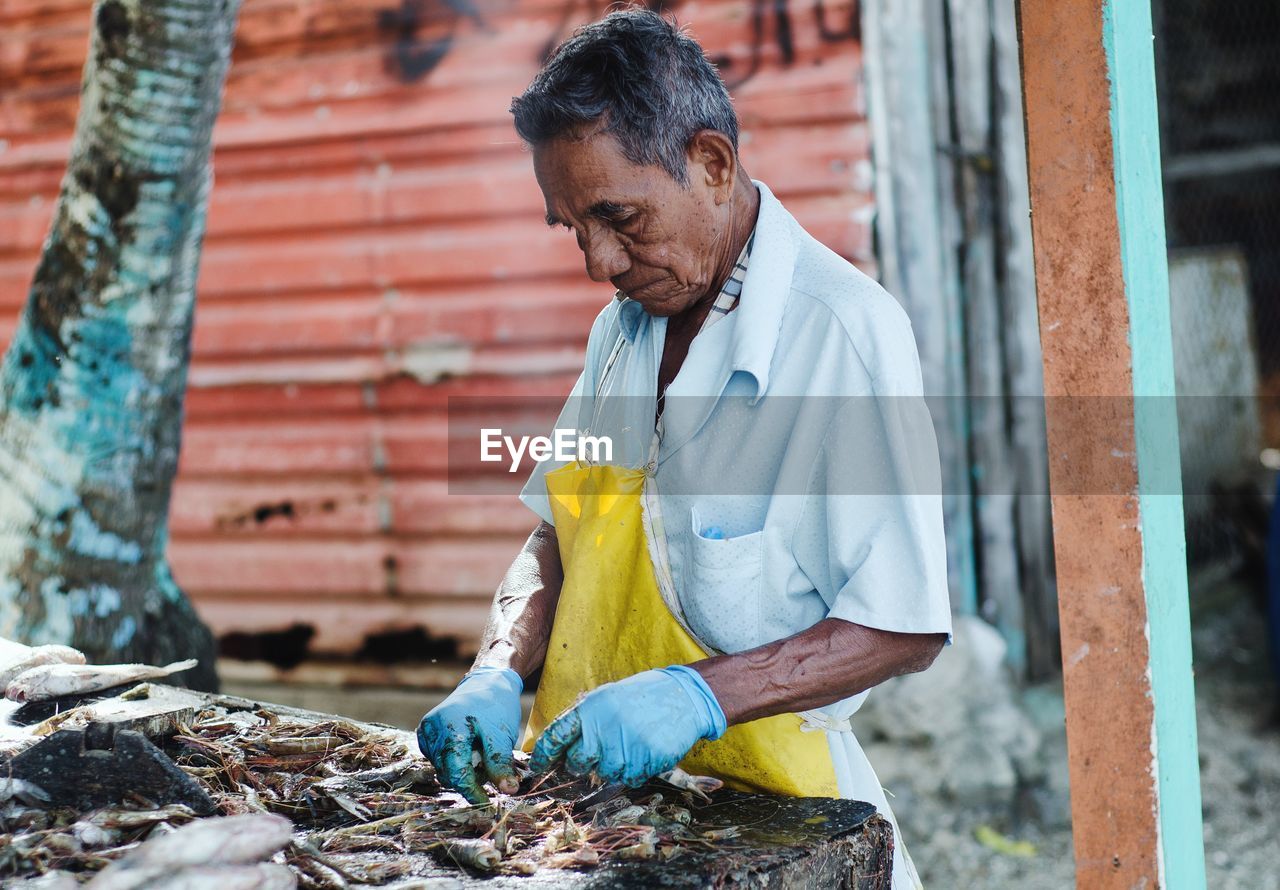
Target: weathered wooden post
(1102, 281)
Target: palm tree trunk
(91, 387)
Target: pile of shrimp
(312, 772)
(520, 834)
(358, 790)
(352, 790)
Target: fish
(16, 659)
(52, 880)
(476, 853)
(11, 650)
(261, 876)
(55, 680)
(227, 840)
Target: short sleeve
(870, 532)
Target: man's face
(638, 228)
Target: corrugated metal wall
(375, 246)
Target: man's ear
(712, 160)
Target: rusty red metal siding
(375, 246)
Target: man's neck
(743, 213)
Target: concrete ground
(1021, 837)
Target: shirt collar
(630, 314)
(731, 291)
(765, 290)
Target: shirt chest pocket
(722, 583)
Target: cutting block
(101, 767)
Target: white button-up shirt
(797, 467)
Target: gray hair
(638, 76)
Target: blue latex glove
(482, 714)
(634, 729)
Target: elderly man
(769, 544)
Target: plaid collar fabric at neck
(731, 293)
(726, 301)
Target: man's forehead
(576, 176)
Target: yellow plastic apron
(612, 621)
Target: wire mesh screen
(1218, 67)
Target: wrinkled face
(657, 241)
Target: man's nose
(605, 258)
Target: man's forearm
(830, 661)
(524, 607)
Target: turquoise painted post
(1127, 39)
(1103, 299)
